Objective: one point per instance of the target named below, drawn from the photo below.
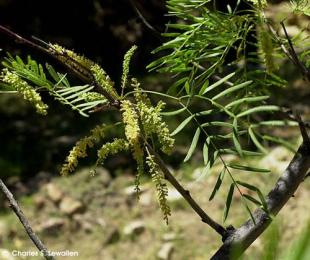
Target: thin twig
(187, 196)
(303, 129)
(294, 56)
(22, 218)
(145, 22)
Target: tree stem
(22, 218)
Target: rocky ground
(101, 219)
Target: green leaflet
(280, 141)
(262, 202)
(217, 123)
(248, 168)
(236, 138)
(204, 87)
(173, 113)
(255, 141)
(218, 184)
(193, 145)
(187, 87)
(246, 100)
(218, 83)
(232, 89)
(182, 125)
(266, 108)
(255, 201)
(175, 86)
(228, 201)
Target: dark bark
(284, 189)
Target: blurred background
(98, 216)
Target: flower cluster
(111, 148)
(267, 47)
(153, 124)
(25, 89)
(80, 149)
(126, 62)
(65, 54)
(93, 96)
(132, 133)
(130, 119)
(151, 119)
(103, 79)
(161, 186)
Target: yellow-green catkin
(80, 149)
(161, 186)
(111, 148)
(130, 119)
(25, 90)
(151, 119)
(267, 48)
(93, 96)
(103, 79)
(126, 63)
(153, 124)
(85, 62)
(132, 133)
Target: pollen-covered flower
(130, 119)
(153, 124)
(104, 80)
(69, 54)
(111, 148)
(25, 90)
(80, 149)
(126, 62)
(93, 96)
(161, 187)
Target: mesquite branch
(242, 237)
(115, 104)
(22, 218)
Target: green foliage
(301, 6)
(80, 149)
(25, 90)
(56, 84)
(237, 92)
(227, 102)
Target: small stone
(101, 222)
(39, 201)
(130, 191)
(104, 176)
(5, 254)
(112, 236)
(165, 252)
(51, 226)
(173, 195)
(169, 237)
(145, 199)
(277, 160)
(134, 228)
(83, 222)
(4, 231)
(53, 192)
(70, 206)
